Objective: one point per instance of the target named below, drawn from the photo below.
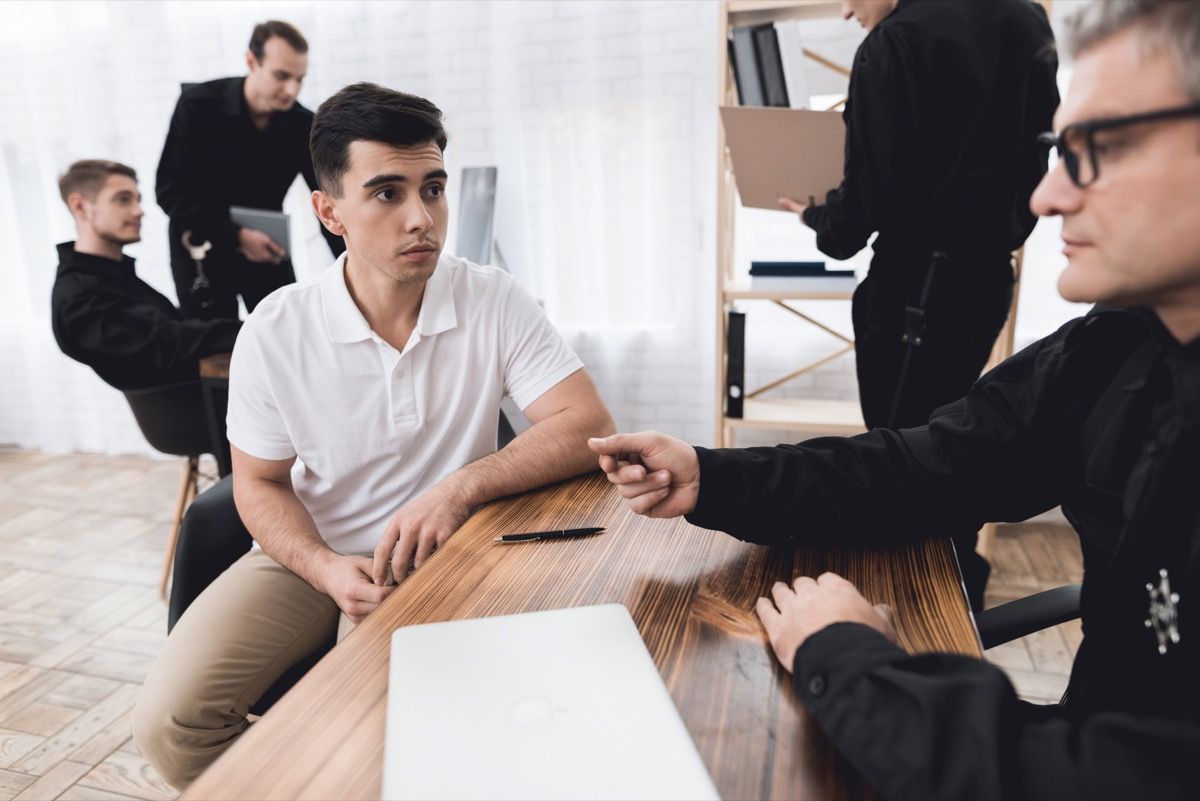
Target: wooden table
(692, 595)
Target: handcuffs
(201, 288)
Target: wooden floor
(81, 545)
(1029, 558)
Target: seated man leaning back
(102, 314)
(363, 411)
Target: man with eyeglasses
(1101, 417)
(236, 142)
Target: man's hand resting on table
(793, 614)
(347, 580)
(420, 526)
(659, 476)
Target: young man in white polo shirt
(362, 418)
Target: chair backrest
(172, 418)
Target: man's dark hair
(88, 176)
(273, 27)
(368, 112)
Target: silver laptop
(564, 704)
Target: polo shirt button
(816, 685)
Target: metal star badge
(1164, 612)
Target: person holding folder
(237, 142)
(1101, 417)
(945, 101)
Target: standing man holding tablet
(237, 142)
(946, 99)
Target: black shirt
(106, 317)
(1102, 417)
(946, 99)
(215, 157)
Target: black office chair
(173, 421)
(212, 538)
(1024, 616)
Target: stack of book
(768, 65)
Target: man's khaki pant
(240, 635)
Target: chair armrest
(1007, 622)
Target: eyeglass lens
(1078, 157)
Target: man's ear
(75, 202)
(323, 206)
(251, 61)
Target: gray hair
(1170, 24)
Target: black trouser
(211, 539)
(966, 308)
(229, 274)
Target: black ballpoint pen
(556, 534)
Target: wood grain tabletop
(691, 593)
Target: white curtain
(600, 116)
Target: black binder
(745, 67)
(770, 66)
(735, 367)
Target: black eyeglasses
(1076, 144)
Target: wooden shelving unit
(791, 414)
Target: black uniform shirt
(106, 317)
(1102, 417)
(215, 157)
(946, 99)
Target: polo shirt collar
(344, 322)
(437, 306)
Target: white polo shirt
(373, 427)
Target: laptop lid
(562, 704)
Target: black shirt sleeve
(947, 726)
(134, 344)
(880, 130)
(936, 480)
(181, 185)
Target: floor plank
(16, 744)
(53, 782)
(71, 737)
(128, 774)
(1031, 557)
(12, 783)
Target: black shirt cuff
(836, 656)
(719, 473)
